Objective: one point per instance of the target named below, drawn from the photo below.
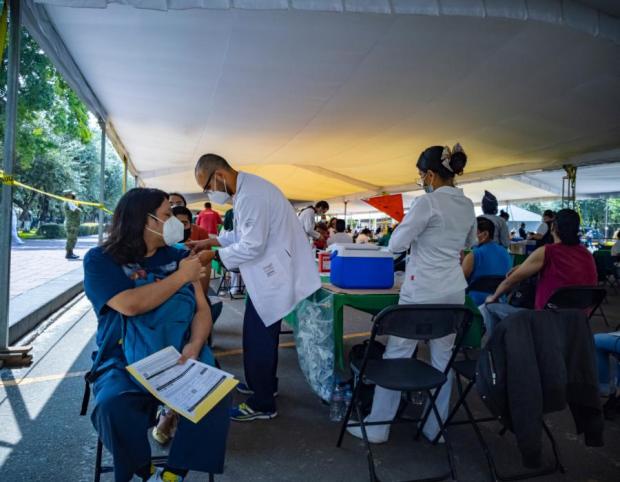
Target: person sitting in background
(543, 234)
(385, 239)
(522, 231)
(191, 231)
(340, 237)
(364, 237)
(177, 199)
(615, 249)
(608, 344)
(564, 263)
(486, 259)
(321, 242)
(489, 209)
(504, 215)
(208, 219)
(514, 236)
(332, 226)
(307, 218)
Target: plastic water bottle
(337, 405)
(348, 396)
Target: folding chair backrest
(486, 284)
(577, 298)
(422, 322)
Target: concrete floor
(42, 436)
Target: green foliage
(52, 231)
(88, 229)
(57, 141)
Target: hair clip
(445, 158)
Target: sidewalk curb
(29, 309)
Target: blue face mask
(428, 188)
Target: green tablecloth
(373, 304)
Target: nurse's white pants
(386, 402)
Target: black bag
(524, 295)
(367, 392)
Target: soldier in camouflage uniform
(72, 224)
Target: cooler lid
(352, 250)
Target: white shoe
(357, 432)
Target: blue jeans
(493, 313)
(606, 345)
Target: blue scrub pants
(606, 345)
(260, 359)
(123, 414)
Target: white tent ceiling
(332, 103)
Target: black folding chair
(226, 282)
(415, 322)
(582, 298)
(486, 284)
(157, 461)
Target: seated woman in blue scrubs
(116, 281)
(489, 258)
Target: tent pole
(124, 175)
(9, 356)
(102, 179)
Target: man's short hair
(340, 225)
(178, 195)
(487, 225)
(549, 214)
(208, 205)
(322, 205)
(183, 211)
(211, 162)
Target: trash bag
(314, 339)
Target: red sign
(390, 204)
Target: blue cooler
(361, 266)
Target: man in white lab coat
(271, 250)
(307, 218)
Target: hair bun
(458, 160)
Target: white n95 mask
(219, 197)
(173, 231)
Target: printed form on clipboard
(191, 389)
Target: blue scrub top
(490, 259)
(104, 278)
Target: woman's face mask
(219, 197)
(422, 182)
(173, 230)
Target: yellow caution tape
(7, 179)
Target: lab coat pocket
(270, 271)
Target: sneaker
(244, 413)
(72, 256)
(245, 390)
(162, 475)
(357, 432)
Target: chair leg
(211, 477)
(98, 460)
(347, 416)
(600, 309)
(442, 431)
(371, 462)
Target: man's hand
(191, 351)
(197, 246)
(191, 269)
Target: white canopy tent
(333, 98)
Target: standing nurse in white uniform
(437, 227)
(270, 248)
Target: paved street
(38, 261)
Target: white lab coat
(270, 248)
(307, 219)
(436, 228)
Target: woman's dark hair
(567, 224)
(340, 225)
(183, 211)
(178, 195)
(125, 244)
(430, 160)
(485, 224)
